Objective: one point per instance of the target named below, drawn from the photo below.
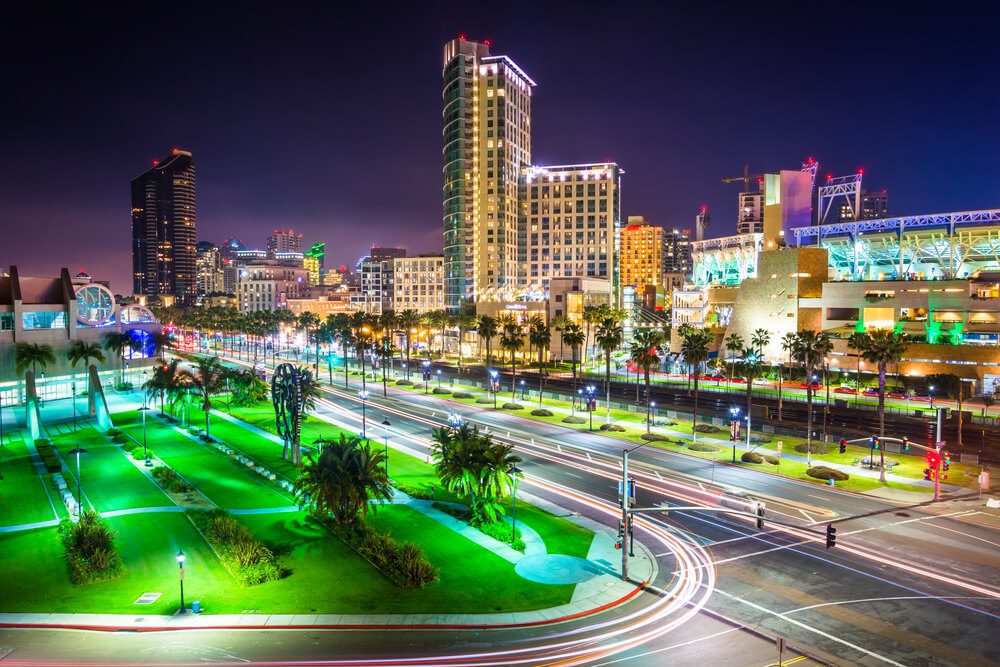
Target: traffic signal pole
(937, 460)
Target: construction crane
(745, 178)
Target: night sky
(326, 118)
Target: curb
(94, 627)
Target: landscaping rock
(482, 400)
(404, 383)
(773, 460)
(707, 428)
(441, 391)
(461, 394)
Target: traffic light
(760, 516)
(875, 442)
(831, 536)
(927, 474)
(906, 444)
(947, 462)
(843, 445)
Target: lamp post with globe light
(363, 395)
(180, 566)
(386, 424)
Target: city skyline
(676, 139)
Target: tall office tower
(874, 206)
(677, 251)
(375, 294)
(750, 217)
(569, 223)
(210, 270)
(641, 253)
(313, 260)
(486, 130)
(283, 240)
(164, 228)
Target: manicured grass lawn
(226, 482)
(22, 492)
(110, 481)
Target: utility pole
(626, 528)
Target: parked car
(922, 399)
(870, 392)
(738, 499)
(845, 390)
(896, 394)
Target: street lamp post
(930, 391)
(79, 481)
(522, 390)
(515, 471)
(427, 376)
(439, 378)
(493, 387)
(591, 403)
(652, 413)
(734, 412)
(73, 385)
(363, 395)
(386, 424)
(180, 565)
(145, 454)
(579, 392)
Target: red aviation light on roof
(461, 37)
(343, 268)
(175, 150)
(704, 208)
(861, 170)
(156, 162)
(829, 177)
(809, 160)
(488, 42)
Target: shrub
(614, 428)
(541, 412)
(419, 494)
(119, 438)
(760, 439)
(751, 457)
(194, 430)
(404, 383)
(123, 386)
(572, 419)
(707, 428)
(441, 391)
(138, 454)
(482, 400)
(501, 532)
(249, 559)
(113, 431)
(512, 406)
(208, 438)
(90, 550)
(461, 394)
(822, 472)
(701, 447)
(403, 564)
(170, 481)
(817, 448)
(773, 460)
(48, 455)
(42, 442)
(654, 437)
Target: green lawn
(221, 478)
(22, 493)
(110, 480)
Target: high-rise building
(283, 240)
(677, 251)
(375, 292)
(750, 217)
(569, 223)
(487, 140)
(418, 283)
(210, 269)
(313, 260)
(642, 253)
(164, 229)
(874, 206)
(268, 286)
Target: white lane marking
(573, 474)
(900, 523)
(888, 599)
(952, 530)
(668, 648)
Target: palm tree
(883, 347)
(345, 336)
(734, 343)
(119, 343)
(787, 342)
(808, 347)
(457, 459)
(559, 323)
(463, 323)
(167, 380)
(540, 335)
(486, 327)
(82, 351)
(348, 475)
(408, 321)
(694, 349)
(574, 337)
(609, 337)
(760, 339)
(593, 315)
(512, 340)
(645, 355)
(750, 366)
(436, 320)
(855, 341)
(33, 355)
(309, 322)
(162, 342)
(208, 380)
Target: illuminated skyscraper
(164, 228)
(487, 140)
(313, 260)
(283, 240)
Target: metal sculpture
(286, 395)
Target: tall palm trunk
(881, 419)
(809, 408)
(607, 385)
(539, 377)
(694, 416)
(649, 405)
(513, 377)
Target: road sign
(984, 480)
(940, 444)
(779, 448)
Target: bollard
(830, 482)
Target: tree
(540, 335)
(82, 351)
(645, 355)
(247, 387)
(165, 381)
(120, 342)
(464, 323)
(734, 343)
(750, 366)
(808, 348)
(593, 315)
(882, 347)
(436, 320)
(559, 323)
(574, 337)
(162, 342)
(987, 401)
(207, 380)
(409, 320)
(33, 355)
(609, 337)
(694, 349)
(759, 339)
(309, 323)
(512, 340)
(787, 341)
(348, 475)
(486, 328)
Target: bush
(614, 428)
(654, 437)
(194, 430)
(707, 428)
(501, 532)
(123, 386)
(482, 400)
(817, 448)
(542, 412)
(138, 454)
(461, 394)
(90, 550)
(419, 494)
(42, 442)
(574, 420)
(48, 455)
(773, 460)
(404, 383)
(113, 431)
(822, 472)
(751, 457)
(403, 564)
(170, 481)
(249, 559)
(441, 391)
(701, 447)
(759, 439)
(512, 406)
(119, 438)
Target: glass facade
(43, 320)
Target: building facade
(283, 240)
(313, 260)
(487, 140)
(164, 230)
(211, 277)
(376, 281)
(418, 283)
(642, 253)
(677, 251)
(269, 286)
